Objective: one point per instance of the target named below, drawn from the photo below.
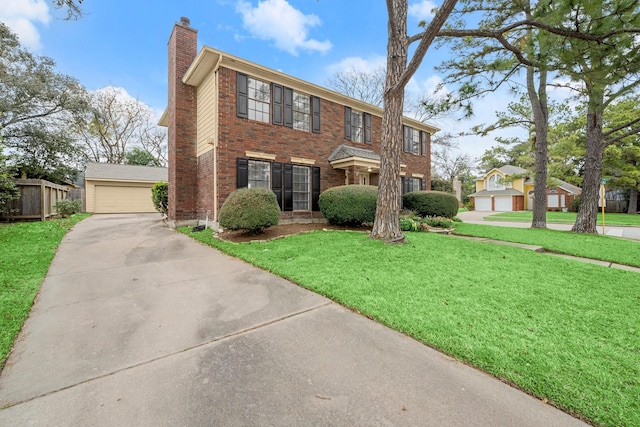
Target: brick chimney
(183, 183)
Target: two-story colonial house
(510, 188)
(233, 123)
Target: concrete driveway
(138, 325)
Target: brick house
(233, 123)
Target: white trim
(257, 155)
(303, 161)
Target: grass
(605, 248)
(561, 330)
(26, 251)
(566, 217)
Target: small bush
(250, 209)
(409, 224)
(67, 207)
(160, 197)
(431, 203)
(350, 205)
(575, 204)
(438, 221)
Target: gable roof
(505, 192)
(569, 187)
(505, 170)
(345, 151)
(112, 171)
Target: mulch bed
(278, 231)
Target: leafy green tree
(8, 189)
(37, 106)
(138, 156)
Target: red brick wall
(237, 135)
(183, 184)
(205, 185)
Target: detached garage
(114, 188)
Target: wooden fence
(37, 200)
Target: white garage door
(503, 204)
(115, 199)
(483, 204)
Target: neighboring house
(233, 123)
(114, 188)
(509, 188)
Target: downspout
(215, 140)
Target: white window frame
(357, 126)
(301, 188)
(301, 109)
(259, 174)
(258, 100)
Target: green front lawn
(562, 330)
(605, 248)
(26, 250)
(566, 217)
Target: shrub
(350, 205)
(575, 204)
(431, 203)
(250, 209)
(68, 207)
(409, 224)
(160, 197)
(438, 221)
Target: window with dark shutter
(315, 108)
(242, 90)
(288, 107)
(288, 187)
(315, 188)
(367, 128)
(407, 139)
(347, 123)
(276, 181)
(277, 104)
(242, 173)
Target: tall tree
(365, 85)
(73, 7)
(606, 68)
(141, 157)
(8, 189)
(37, 104)
(118, 123)
(386, 225)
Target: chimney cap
(184, 21)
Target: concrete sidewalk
(475, 217)
(136, 324)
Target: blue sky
(124, 43)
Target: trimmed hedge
(431, 203)
(350, 205)
(250, 209)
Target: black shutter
(277, 104)
(407, 139)
(288, 187)
(367, 128)
(242, 90)
(423, 139)
(315, 188)
(242, 173)
(288, 107)
(347, 123)
(315, 122)
(276, 181)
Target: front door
(364, 178)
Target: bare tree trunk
(587, 218)
(387, 221)
(633, 201)
(541, 119)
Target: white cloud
(422, 10)
(20, 16)
(358, 64)
(285, 25)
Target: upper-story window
(301, 111)
(275, 103)
(357, 126)
(259, 100)
(415, 141)
(493, 183)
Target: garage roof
(126, 172)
